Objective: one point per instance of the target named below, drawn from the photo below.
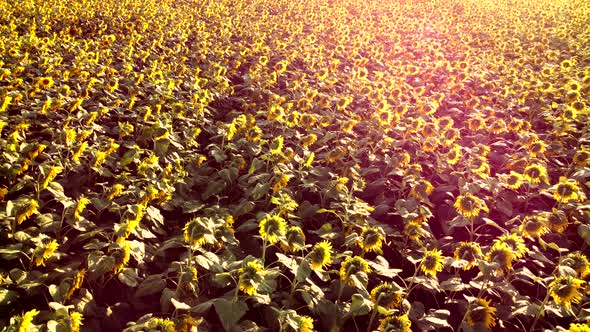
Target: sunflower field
(322, 165)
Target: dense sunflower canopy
(321, 165)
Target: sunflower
(387, 295)
(536, 148)
(536, 174)
(26, 210)
(513, 180)
(45, 82)
(27, 319)
(194, 233)
(565, 290)
(430, 144)
(247, 275)
(272, 228)
(351, 266)
(320, 255)
(578, 262)
(476, 123)
(429, 130)
(501, 254)
(469, 205)
(582, 157)
(45, 252)
(432, 262)
(394, 323)
(422, 189)
(305, 324)
(479, 166)
(481, 314)
(276, 146)
(514, 242)
(578, 327)
(454, 154)
(515, 125)
(450, 135)
(557, 221)
(567, 190)
(534, 226)
(469, 252)
(445, 122)
(294, 239)
(415, 232)
(371, 239)
(498, 127)
(309, 140)
(75, 321)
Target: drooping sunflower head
(476, 123)
(557, 221)
(320, 255)
(469, 205)
(305, 324)
(454, 154)
(514, 242)
(565, 290)
(578, 262)
(415, 231)
(276, 146)
(534, 226)
(247, 276)
(501, 254)
(294, 239)
(481, 314)
(371, 239)
(469, 252)
(194, 233)
(272, 228)
(395, 323)
(582, 157)
(536, 174)
(387, 295)
(513, 180)
(567, 190)
(432, 262)
(479, 165)
(351, 266)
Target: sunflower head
(469, 252)
(481, 314)
(248, 275)
(557, 221)
(395, 323)
(513, 180)
(582, 157)
(415, 232)
(567, 190)
(272, 228)
(514, 242)
(565, 290)
(371, 239)
(469, 205)
(387, 295)
(578, 262)
(536, 174)
(534, 226)
(294, 239)
(501, 254)
(305, 324)
(195, 232)
(351, 266)
(320, 255)
(432, 262)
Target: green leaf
(360, 305)
(179, 305)
(7, 296)
(166, 299)
(213, 188)
(99, 264)
(151, 285)
(230, 312)
(129, 277)
(303, 271)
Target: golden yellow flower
(320, 255)
(45, 82)
(432, 262)
(115, 191)
(582, 157)
(305, 324)
(469, 252)
(194, 233)
(351, 266)
(281, 183)
(501, 254)
(27, 319)
(578, 262)
(121, 255)
(387, 295)
(75, 321)
(45, 252)
(76, 283)
(371, 239)
(481, 314)
(567, 190)
(53, 172)
(80, 206)
(276, 146)
(26, 210)
(393, 323)
(536, 148)
(479, 166)
(247, 274)
(309, 140)
(534, 226)
(294, 239)
(578, 327)
(514, 242)
(513, 180)
(454, 155)
(536, 174)
(565, 290)
(415, 232)
(272, 228)
(469, 205)
(421, 189)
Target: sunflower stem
(540, 313)
(263, 251)
(373, 315)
